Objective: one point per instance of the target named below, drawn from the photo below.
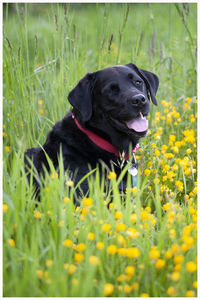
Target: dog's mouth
(139, 124)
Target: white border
(1, 116)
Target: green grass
(47, 49)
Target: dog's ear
(151, 80)
(81, 96)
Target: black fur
(102, 102)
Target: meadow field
(147, 247)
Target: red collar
(102, 143)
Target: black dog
(109, 114)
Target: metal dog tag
(133, 171)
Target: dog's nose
(138, 100)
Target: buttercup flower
(133, 252)
(108, 289)
(87, 202)
(191, 267)
(5, 208)
(175, 276)
(130, 270)
(112, 249)
(100, 245)
(160, 263)
(11, 242)
(154, 253)
(112, 175)
(68, 243)
(94, 260)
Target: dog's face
(116, 101)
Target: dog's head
(115, 102)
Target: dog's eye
(138, 82)
(114, 87)
(130, 76)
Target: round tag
(133, 171)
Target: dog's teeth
(141, 115)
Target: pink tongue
(138, 124)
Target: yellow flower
(91, 236)
(172, 234)
(53, 176)
(172, 137)
(157, 152)
(112, 175)
(78, 257)
(135, 286)
(66, 200)
(154, 253)
(37, 214)
(179, 184)
(49, 262)
(112, 249)
(130, 270)
(175, 248)
(134, 190)
(121, 278)
(94, 260)
(133, 218)
(189, 241)
(84, 212)
(121, 240)
(122, 251)
(147, 172)
(106, 227)
(60, 223)
(195, 190)
(72, 269)
(144, 295)
(121, 227)
(195, 284)
(81, 247)
(132, 233)
(66, 266)
(39, 274)
(67, 243)
(177, 267)
(171, 291)
(175, 276)
(164, 147)
(74, 247)
(133, 252)
(176, 115)
(178, 259)
(118, 215)
(108, 289)
(156, 180)
(87, 202)
(7, 149)
(69, 183)
(11, 242)
(190, 294)
(189, 151)
(5, 208)
(191, 267)
(144, 215)
(40, 101)
(127, 289)
(100, 245)
(160, 263)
